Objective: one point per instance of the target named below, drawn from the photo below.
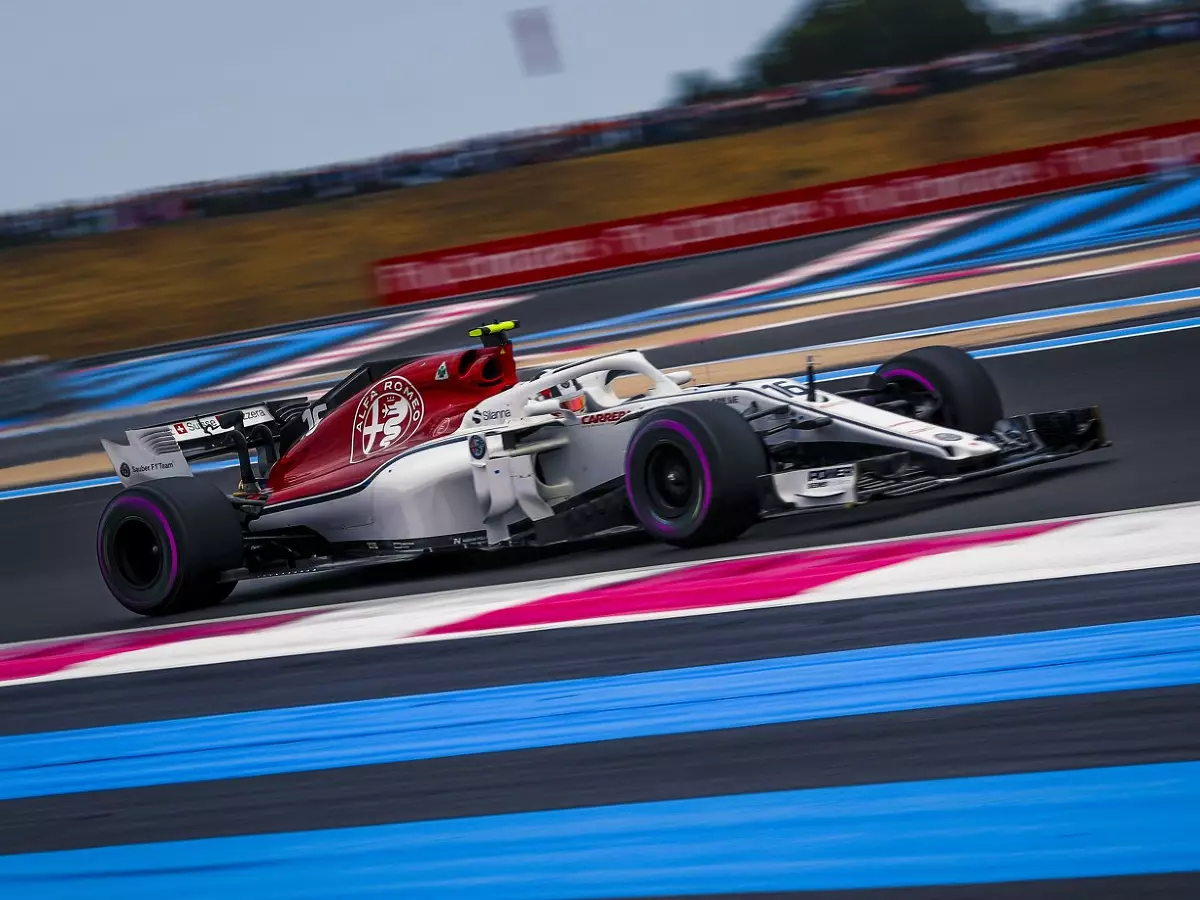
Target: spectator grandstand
(671, 124)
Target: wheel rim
(926, 402)
(137, 553)
(671, 481)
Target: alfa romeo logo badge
(387, 416)
(478, 446)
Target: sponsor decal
(730, 399)
(829, 481)
(127, 470)
(444, 427)
(909, 426)
(189, 429)
(208, 426)
(443, 373)
(820, 476)
(947, 436)
(480, 416)
(478, 446)
(388, 414)
(605, 418)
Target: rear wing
(203, 428)
(151, 453)
(167, 450)
(205, 432)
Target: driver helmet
(570, 395)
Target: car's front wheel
(692, 473)
(944, 386)
(163, 545)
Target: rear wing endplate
(151, 453)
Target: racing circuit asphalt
(642, 289)
(563, 306)
(1050, 735)
(1146, 387)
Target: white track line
(868, 250)
(1149, 538)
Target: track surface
(918, 746)
(568, 305)
(1085, 221)
(1145, 387)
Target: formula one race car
(452, 451)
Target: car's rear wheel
(163, 546)
(692, 473)
(944, 386)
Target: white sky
(103, 97)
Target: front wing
(1025, 441)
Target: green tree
(837, 36)
(697, 86)
(1092, 13)
(1082, 14)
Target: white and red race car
(453, 451)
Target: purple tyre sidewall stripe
(684, 432)
(911, 376)
(144, 507)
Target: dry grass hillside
(122, 290)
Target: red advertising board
(587, 249)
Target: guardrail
(605, 246)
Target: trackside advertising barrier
(587, 249)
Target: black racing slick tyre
(162, 546)
(692, 474)
(948, 386)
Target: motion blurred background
(981, 692)
(178, 171)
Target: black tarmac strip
(981, 739)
